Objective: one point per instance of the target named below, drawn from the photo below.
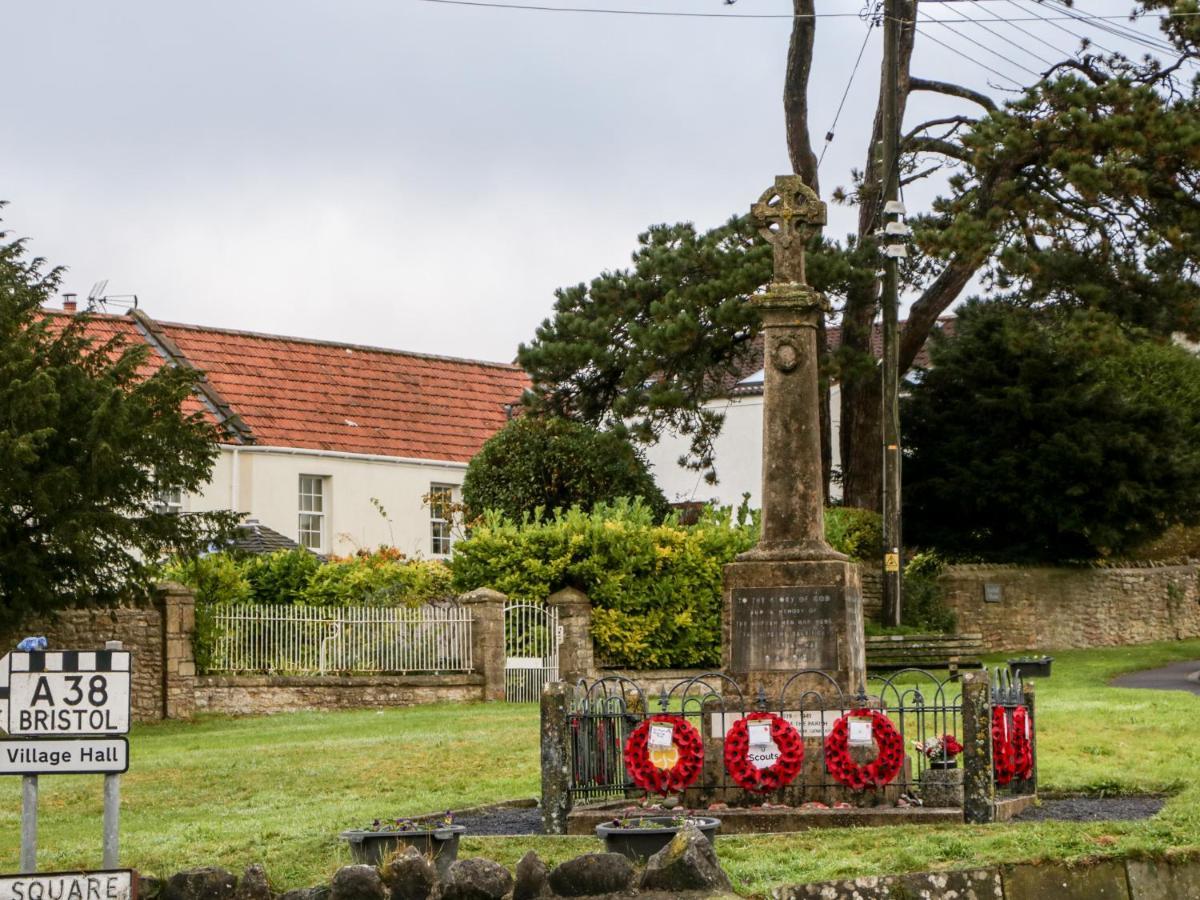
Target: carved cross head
(788, 214)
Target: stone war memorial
(793, 732)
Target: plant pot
(373, 847)
(1032, 666)
(943, 765)
(639, 844)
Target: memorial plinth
(792, 602)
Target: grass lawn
(278, 789)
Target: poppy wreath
(1021, 745)
(879, 771)
(780, 773)
(650, 777)
(1003, 757)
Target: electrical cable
(982, 46)
(969, 58)
(1007, 40)
(872, 21)
(1024, 31)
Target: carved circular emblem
(785, 356)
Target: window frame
(441, 518)
(317, 511)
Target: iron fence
(300, 640)
(921, 707)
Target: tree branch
(934, 123)
(953, 90)
(795, 92)
(936, 145)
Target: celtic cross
(788, 214)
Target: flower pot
(640, 843)
(1032, 666)
(943, 765)
(373, 847)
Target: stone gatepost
(979, 787)
(487, 638)
(792, 602)
(178, 605)
(556, 756)
(576, 658)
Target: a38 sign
(67, 692)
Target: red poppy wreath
(741, 767)
(664, 770)
(1003, 758)
(879, 771)
(1021, 744)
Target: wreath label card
(661, 736)
(763, 751)
(861, 732)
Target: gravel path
(1093, 809)
(1064, 809)
(1183, 676)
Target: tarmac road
(1182, 676)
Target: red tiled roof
(318, 395)
(293, 392)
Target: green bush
(655, 587)
(280, 577)
(856, 532)
(551, 464)
(923, 601)
(377, 579)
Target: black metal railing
(919, 705)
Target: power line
(1128, 34)
(670, 14)
(1024, 31)
(1083, 39)
(969, 58)
(1006, 40)
(871, 22)
(981, 46)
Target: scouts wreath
(879, 771)
(780, 773)
(664, 770)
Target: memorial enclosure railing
(919, 706)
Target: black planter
(373, 847)
(639, 844)
(1032, 666)
(943, 765)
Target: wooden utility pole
(892, 241)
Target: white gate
(531, 639)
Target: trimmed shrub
(856, 532)
(655, 587)
(549, 464)
(923, 601)
(382, 578)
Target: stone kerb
(487, 638)
(576, 656)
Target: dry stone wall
(1018, 608)
(140, 628)
(266, 694)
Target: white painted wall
(738, 455)
(267, 482)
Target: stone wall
(1017, 608)
(872, 590)
(267, 694)
(139, 627)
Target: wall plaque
(785, 628)
(993, 593)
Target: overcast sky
(421, 175)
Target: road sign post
(66, 711)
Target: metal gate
(531, 639)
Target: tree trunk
(862, 393)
